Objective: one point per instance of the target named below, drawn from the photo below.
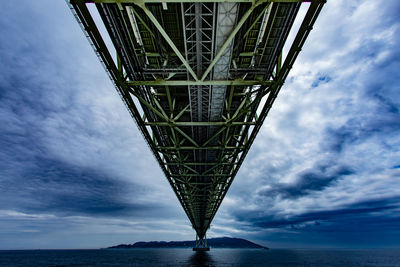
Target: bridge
(199, 78)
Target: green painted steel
(198, 83)
(230, 38)
(154, 74)
(166, 37)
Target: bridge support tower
(201, 244)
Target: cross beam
(237, 82)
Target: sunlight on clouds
(16, 214)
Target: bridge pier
(201, 244)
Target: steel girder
(200, 83)
(162, 87)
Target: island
(219, 242)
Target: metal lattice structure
(198, 78)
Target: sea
(187, 257)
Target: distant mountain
(219, 242)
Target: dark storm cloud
(316, 179)
(67, 189)
(52, 186)
(381, 117)
(372, 211)
(356, 130)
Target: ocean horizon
(214, 257)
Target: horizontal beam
(199, 83)
(199, 123)
(199, 148)
(199, 163)
(195, 175)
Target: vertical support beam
(201, 243)
(171, 109)
(119, 64)
(279, 64)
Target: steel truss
(198, 78)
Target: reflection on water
(201, 258)
(186, 257)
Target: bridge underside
(199, 78)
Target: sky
(323, 172)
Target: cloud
(322, 79)
(310, 180)
(59, 188)
(364, 224)
(362, 211)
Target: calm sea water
(187, 257)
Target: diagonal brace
(167, 38)
(230, 38)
